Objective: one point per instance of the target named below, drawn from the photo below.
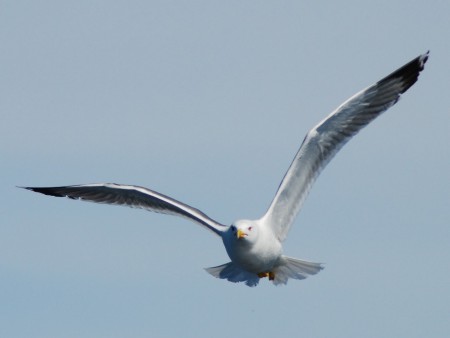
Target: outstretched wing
(324, 140)
(132, 196)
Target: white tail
(294, 268)
(233, 273)
(288, 268)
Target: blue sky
(208, 101)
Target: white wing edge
(132, 196)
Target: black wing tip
(413, 69)
(409, 73)
(44, 190)
(418, 63)
(421, 60)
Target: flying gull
(255, 246)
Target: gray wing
(324, 140)
(132, 196)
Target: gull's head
(243, 230)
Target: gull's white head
(243, 230)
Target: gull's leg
(263, 274)
(269, 274)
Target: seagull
(255, 246)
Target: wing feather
(131, 196)
(324, 140)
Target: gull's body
(255, 246)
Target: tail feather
(233, 273)
(295, 268)
(288, 267)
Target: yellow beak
(240, 234)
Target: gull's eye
(250, 228)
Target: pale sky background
(208, 101)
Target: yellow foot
(269, 274)
(263, 274)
